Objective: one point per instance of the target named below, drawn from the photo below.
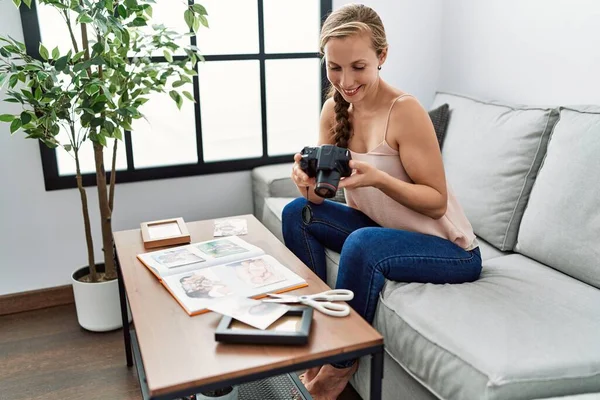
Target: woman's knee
(358, 242)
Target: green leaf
(203, 20)
(168, 56)
(131, 3)
(148, 11)
(25, 117)
(199, 9)
(17, 3)
(15, 125)
(38, 93)
(188, 95)
(188, 16)
(3, 78)
(44, 52)
(6, 118)
(110, 128)
(68, 147)
(84, 18)
(27, 3)
(177, 84)
(122, 11)
(196, 24)
(175, 96)
(90, 90)
(55, 53)
(97, 122)
(117, 134)
(61, 63)
(77, 56)
(12, 81)
(139, 21)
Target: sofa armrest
(271, 181)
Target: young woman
(403, 222)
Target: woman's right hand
(299, 177)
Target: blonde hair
(351, 19)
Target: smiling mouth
(351, 92)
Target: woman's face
(352, 66)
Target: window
(258, 94)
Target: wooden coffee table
(177, 355)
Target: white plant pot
(233, 395)
(98, 306)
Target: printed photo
(230, 227)
(252, 312)
(221, 248)
(176, 258)
(204, 285)
(256, 272)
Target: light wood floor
(46, 355)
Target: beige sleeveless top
(388, 213)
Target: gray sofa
(529, 181)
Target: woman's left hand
(364, 174)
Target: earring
(379, 67)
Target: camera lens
(325, 190)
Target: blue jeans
(370, 254)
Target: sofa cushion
(271, 216)
(272, 181)
(440, 117)
(561, 225)
(521, 331)
(491, 154)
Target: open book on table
(200, 273)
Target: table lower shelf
(281, 387)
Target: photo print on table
(256, 272)
(204, 285)
(177, 258)
(221, 248)
(230, 227)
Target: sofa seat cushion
(521, 331)
(492, 153)
(271, 214)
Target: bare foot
(309, 375)
(330, 382)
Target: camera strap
(307, 210)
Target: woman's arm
(302, 180)
(422, 161)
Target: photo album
(199, 273)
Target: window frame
(54, 181)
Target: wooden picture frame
(164, 232)
(292, 328)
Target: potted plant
(93, 93)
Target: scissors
(320, 301)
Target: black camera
(328, 163)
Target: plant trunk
(86, 221)
(105, 213)
(113, 175)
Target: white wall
(41, 236)
(522, 51)
(413, 30)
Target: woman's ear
(383, 56)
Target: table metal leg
(376, 375)
(124, 316)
